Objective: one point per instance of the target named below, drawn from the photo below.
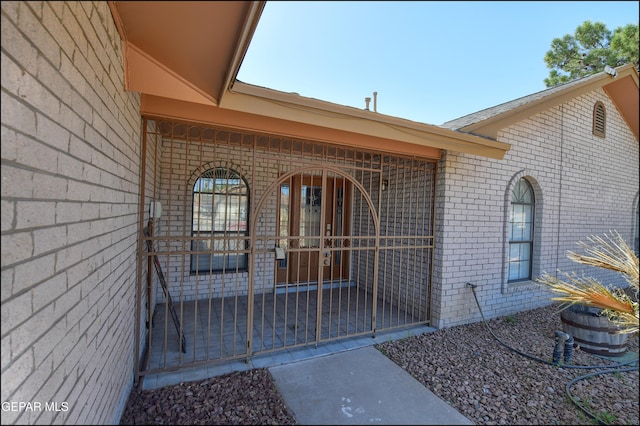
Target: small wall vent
(599, 119)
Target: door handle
(327, 258)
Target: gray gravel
(463, 365)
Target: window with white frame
(521, 222)
(219, 222)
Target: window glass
(521, 231)
(220, 209)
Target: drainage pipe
(561, 337)
(564, 346)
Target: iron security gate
(267, 243)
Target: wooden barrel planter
(593, 333)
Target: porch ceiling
(190, 51)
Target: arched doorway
(308, 246)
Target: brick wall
(584, 185)
(70, 166)
(180, 164)
(405, 210)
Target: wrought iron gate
(269, 243)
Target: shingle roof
(487, 113)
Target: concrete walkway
(357, 387)
(340, 382)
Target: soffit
(188, 50)
(624, 94)
(190, 53)
(170, 109)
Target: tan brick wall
(584, 185)
(70, 166)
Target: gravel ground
(240, 398)
(491, 384)
(463, 365)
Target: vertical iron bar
(405, 237)
(419, 236)
(428, 301)
(187, 197)
(141, 209)
(322, 219)
(376, 253)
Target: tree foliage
(589, 50)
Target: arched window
(219, 221)
(599, 119)
(521, 231)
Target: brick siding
(584, 185)
(70, 166)
(70, 211)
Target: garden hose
(556, 359)
(586, 376)
(616, 365)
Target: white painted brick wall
(585, 185)
(70, 165)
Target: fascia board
(285, 106)
(246, 34)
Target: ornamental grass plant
(620, 305)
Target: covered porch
(241, 228)
(216, 330)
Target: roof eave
(288, 106)
(246, 34)
(198, 60)
(491, 126)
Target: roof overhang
(353, 128)
(289, 106)
(621, 88)
(183, 57)
(187, 50)
(623, 91)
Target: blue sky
(429, 61)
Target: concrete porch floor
(284, 328)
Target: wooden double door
(314, 224)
